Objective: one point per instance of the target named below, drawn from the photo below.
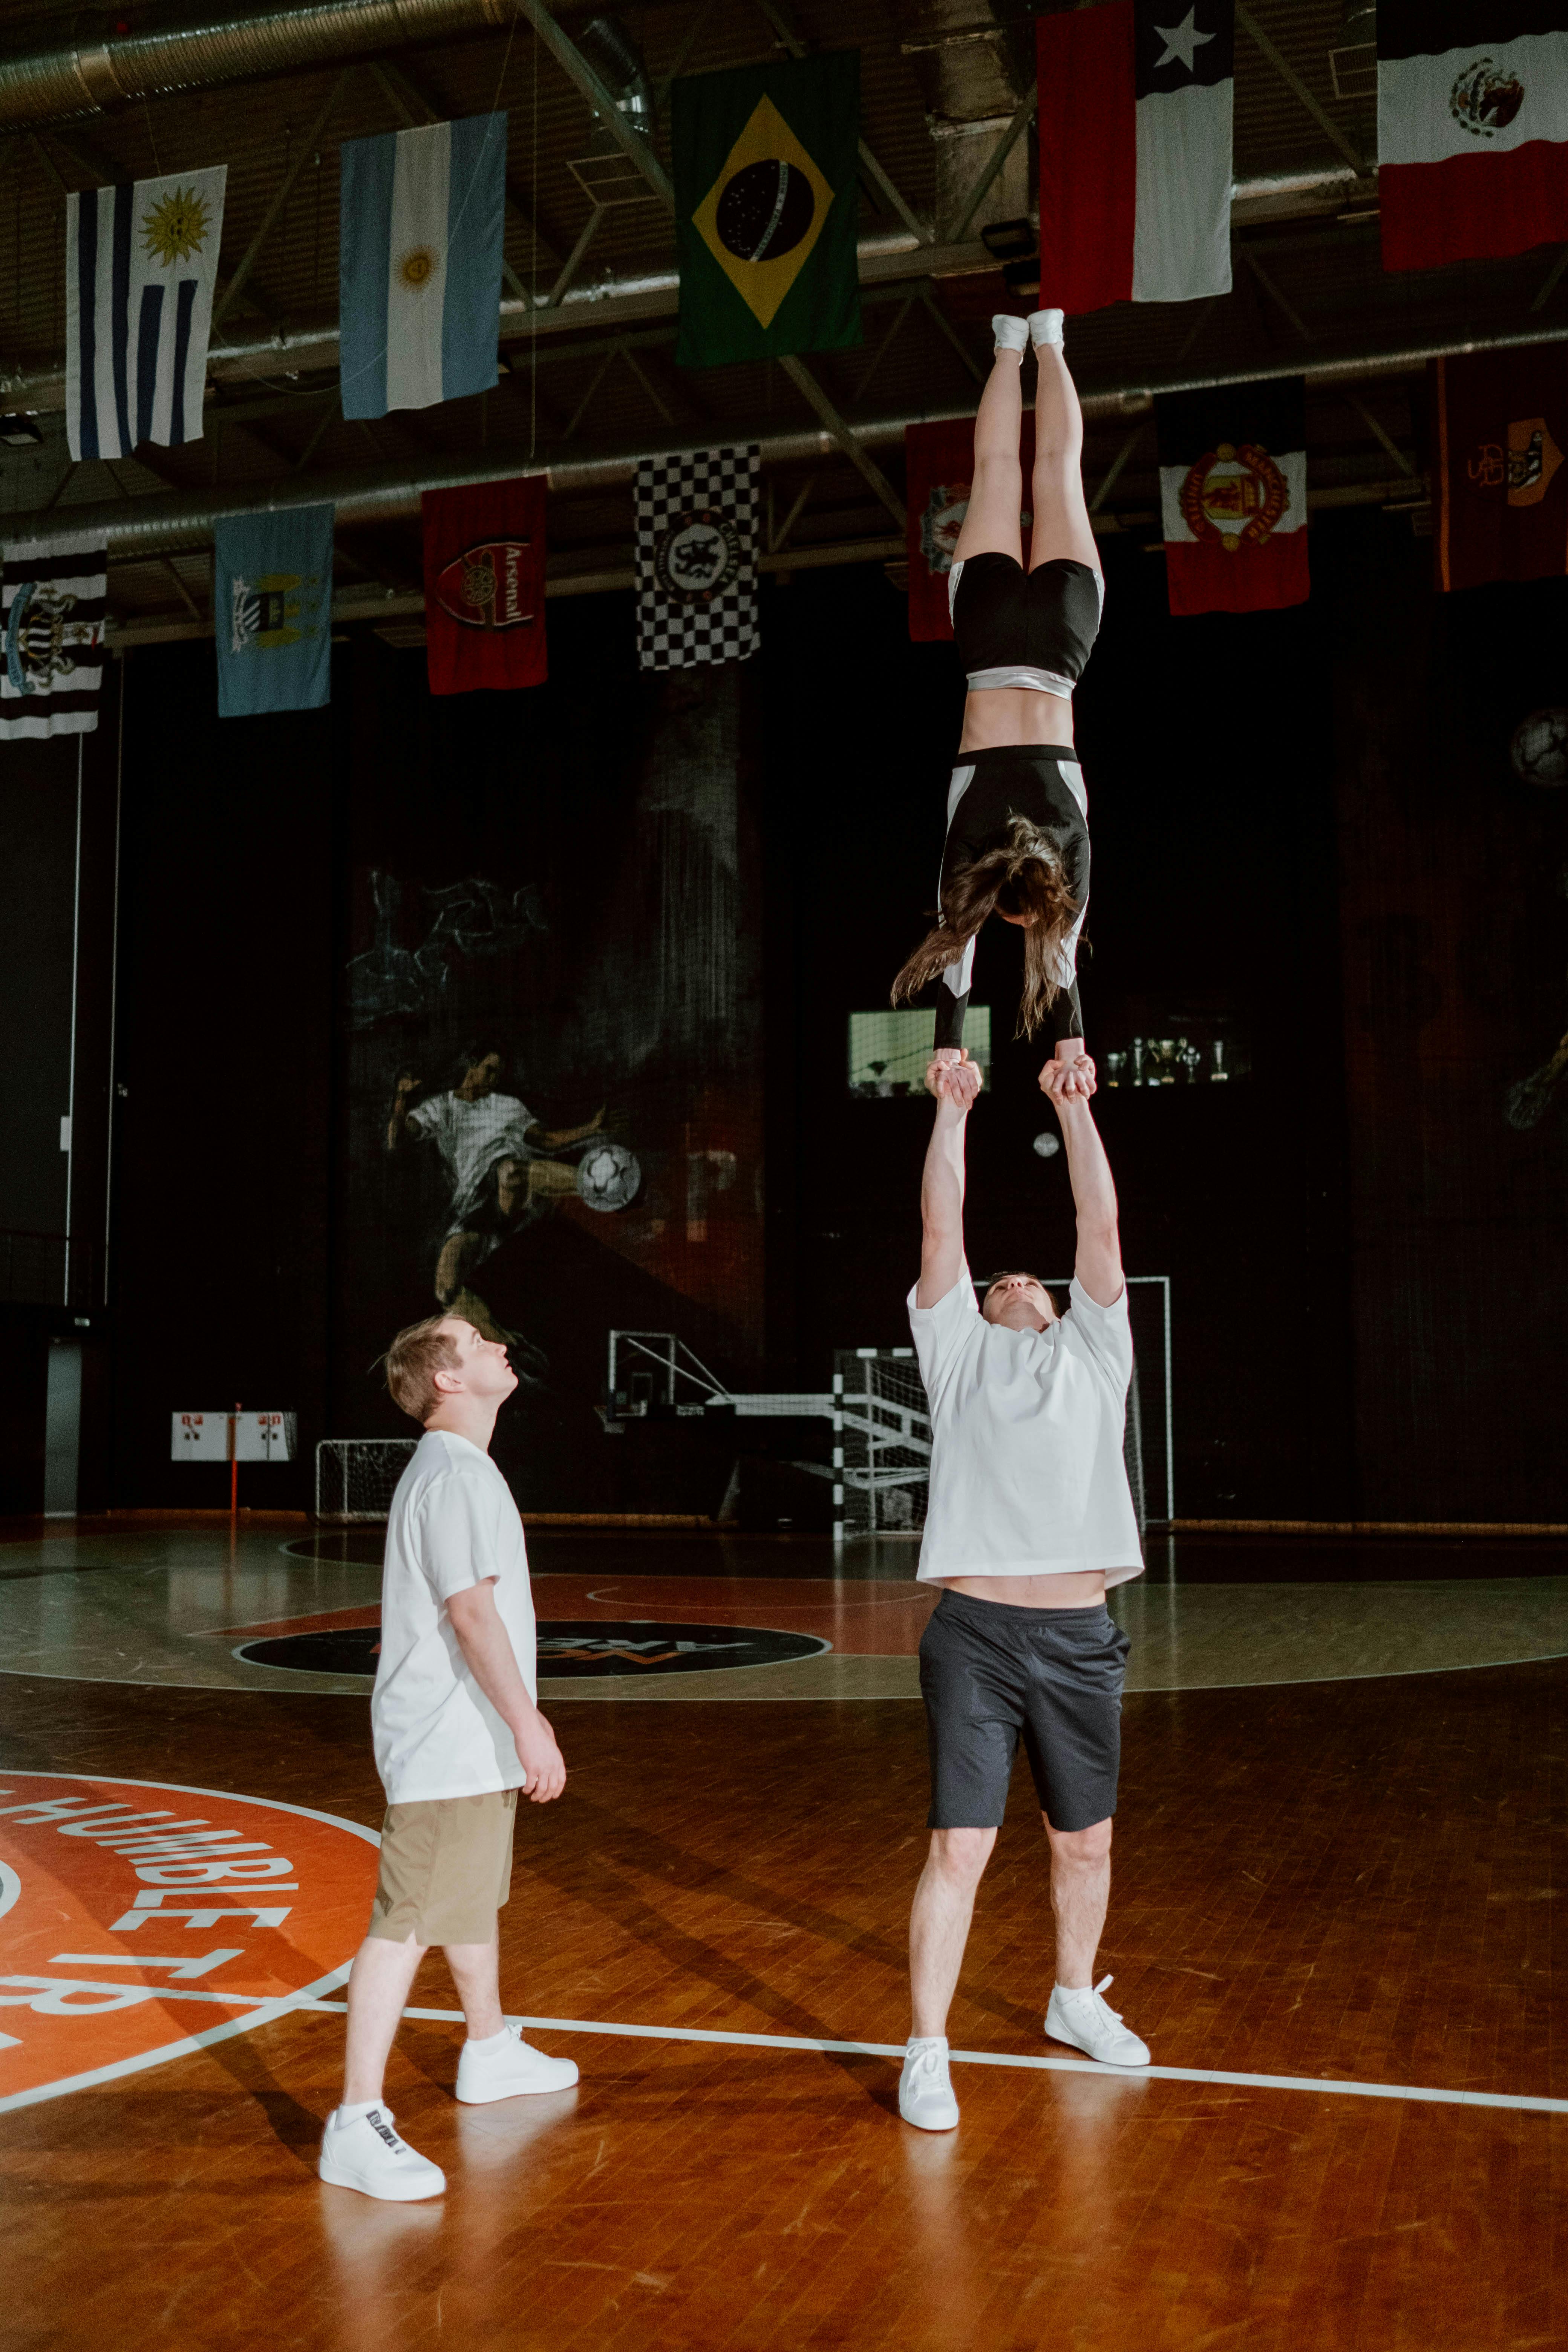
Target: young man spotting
(458, 1733)
(1030, 1518)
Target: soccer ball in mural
(1540, 748)
(608, 1177)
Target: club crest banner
(52, 615)
(272, 606)
(697, 552)
(484, 585)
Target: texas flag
(1472, 127)
(1233, 491)
(419, 264)
(1135, 152)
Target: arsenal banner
(1500, 510)
(1472, 127)
(1135, 153)
(1233, 491)
(938, 460)
(52, 615)
(484, 585)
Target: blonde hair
(412, 1362)
(1023, 877)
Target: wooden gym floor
(1337, 1881)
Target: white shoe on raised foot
(508, 2069)
(925, 2092)
(1009, 333)
(1045, 327)
(366, 2154)
(1080, 2017)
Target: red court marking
(878, 1622)
(84, 1996)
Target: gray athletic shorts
(990, 1673)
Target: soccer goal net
(357, 1478)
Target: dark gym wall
(1372, 1347)
(37, 894)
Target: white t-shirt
(1027, 1472)
(452, 1523)
(471, 1137)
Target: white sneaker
(925, 2092)
(366, 2154)
(1045, 327)
(1080, 2017)
(504, 2074)
(1009, 333)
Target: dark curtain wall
(37, 893)
(689, 884)
(220, 1272)
(1453, 875)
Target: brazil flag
(766, 198)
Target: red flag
(1233, 492)
(1500, 498)
(484, 585)
(938, 460)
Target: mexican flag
(766, 193)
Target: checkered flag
(697, 572)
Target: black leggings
(1044, 783)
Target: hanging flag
(420, 218)
(52, 615)
(697, 549)
(1233, 487)
(141, 259)
(1472, 127)
(272, 611)
(766, 199)
(1135, 152)
(1499, 510)
(938, 460)
(484, 585)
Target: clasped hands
(952, 1077)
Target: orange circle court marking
(142, 1919)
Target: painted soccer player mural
(499, 1162)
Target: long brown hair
(1024, 877)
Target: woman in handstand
(1017, 837)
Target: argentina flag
(420, 245)
(141, 259)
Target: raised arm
(956, 1086)
(402, 1103)
(1098, 1261)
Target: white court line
(1001, 2058)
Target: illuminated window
(889, 1051)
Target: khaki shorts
(446, 1869)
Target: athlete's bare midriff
(1014, 714)
(1086, 1591)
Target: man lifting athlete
(1030, 1518)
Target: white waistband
(1037, 682)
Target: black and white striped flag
(51, 626)
(141, 260)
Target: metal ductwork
(614, 57)
(167, 522)
(92, 70)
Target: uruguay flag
(420, 276)
(140, 264)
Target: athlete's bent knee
(961, 1853)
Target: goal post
(357, 1478)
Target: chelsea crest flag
(419, 264)
(766, 192)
